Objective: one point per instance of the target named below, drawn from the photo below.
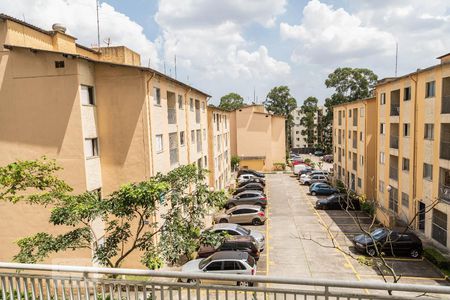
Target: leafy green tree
(130, 224)
(309, 112)
(350, 84)
(280, 102)
(231, 101)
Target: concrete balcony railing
(172, 115)
(444, 192)
(445, 108)
(393, 142)
(46, 282)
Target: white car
(317, 172)
(222, 262)
(245, 177)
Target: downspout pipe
(414, 196)
(149, 123)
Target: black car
(252, 186)
(338, 201)
(250, 171)
(389, 242)
(232, 243)
(252, 180)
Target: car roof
(256, 207)
(225, 226)
(249, 192)
(239, 238)
(229, 255)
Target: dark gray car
(247, 197)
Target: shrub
(234, 162)
(279, 166)
(436, 258)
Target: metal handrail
(376, 285)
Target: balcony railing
(395, 110)
(47, 282)
(173, 156)
(445, 105)
(393, 142)
(445, 150)
(172, 115)
(393, 173)
(444, 192)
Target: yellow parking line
(403, 259)
(407, 277)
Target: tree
(280, 102)
(130, 224)
(231, 101)
(309, 113)
(350, 84)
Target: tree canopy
(231, 101)
(128, 215)
(309, 112)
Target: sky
(251, 46)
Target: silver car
(242, 214)
(224, 262)
(235, 229)
(313, 179)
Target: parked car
(318, 153)
(232, 243)
(252, 180)
(323, 189)
(338, 201)
(315, 172)
(391, 242)
(306, 170)
(314, 178)
(235, 229)
(300, 167)
(251, 186)
(226, 262)
(242, 214)
(250, 171)
(247, 197)
(328, 158)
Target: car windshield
(242, 230)
(204, 262)
(378, 233)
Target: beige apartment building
(104, 118)
(354, 145)
(219, 147)
(413, 150)
(257, 137)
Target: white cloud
(327, 35)
(79, 16)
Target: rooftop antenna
(98, 25)
(107, 42)
(396, 58)
(23, 15)
(254, 95)
(175, 59)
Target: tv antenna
(98, 25)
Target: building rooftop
(359, 100)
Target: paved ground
(300, 246)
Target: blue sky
(242, 46)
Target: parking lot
(299, 243)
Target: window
(405, 164)
(180, 101)
(381, 186)
(361, 112)
(205, 161)
(427, 171)
(359, 182)
(361, 160)
(157, 96)
(87, 95)
(203, 106)
(159, 143)
(191, 104)
(382, 128)
(407, 93)
(193, 136)
(349, 134)
(182, 140)
(405, 200)
(439, 227)
(349, 155)
(430, 89)
(59, 64)
(360, 136)
(343, 113)
(204, 134)
(382, 158)
(91, 147)
(406, 129)
(382, 98)
(214, 266)
(349, 113)
(429, 131)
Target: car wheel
(244, 283)
(223, 221)
(414, 253)
(256, 221)
(313, 193)
(371, 252)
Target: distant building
(257, 137)
(298, 131)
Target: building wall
(298, 140)
(258, 136)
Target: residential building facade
(298, 140)
(257, 137)
(354, 145)
(219, 147)
(413, 150)
(106, 120)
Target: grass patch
(437, 259)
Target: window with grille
(439, 227)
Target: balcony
(393, 173)
(172, 115)
(173, 156)
(445, 105)
(393, 142)
(444, 192)
(393, 200)
(444, 152)
(395, 110)
(395, 103)
(84, 283)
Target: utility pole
(98, 26)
